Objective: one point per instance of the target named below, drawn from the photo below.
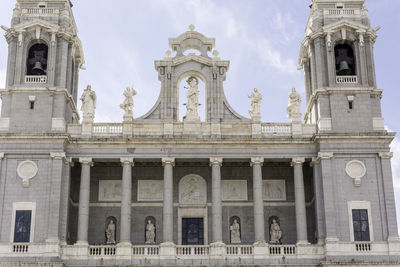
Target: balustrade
(239, 250)
(282, 250)
(19, 248)
(363, 246)
(331, 12)
(35, 78)
(145, 250)
(192, 250)
(107, 128)
(33, 11)
(102, 250)
(346, 79)
(268, 129)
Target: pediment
(35, 23)
(191, 35)
(344, 23)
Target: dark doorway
(192, 231)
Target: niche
(344, 60)
(37, 60)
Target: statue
(235, 232)
(275, 232)
(192, 103)
(256, 98)
(294, 104)
(127, 105)
(88, 99)
(110, 233)
(150, 232)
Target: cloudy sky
(261, 38)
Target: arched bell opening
(345, 60)
(37, 60)
(192, 107)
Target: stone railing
(282, 250)
(272, 129)
(35, 79)
(107, 129)
(41, 11)
(346, 79)
(206, 130)
(334, 12)
(102, 250)
(239, 250)
(20, 248)
(145, 250)
(363, 246)
(192, 250)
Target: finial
(168, 53)
(191, 27)
(293, 89)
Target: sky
(261, 38)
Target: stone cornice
(191, 57)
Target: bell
(344, 68)
(38, 69)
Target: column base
(81, 243)
(124, 249)
(167, 250)
(302, 243)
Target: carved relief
(110, 190)
(192, 190)
(150, 190)
(274, 190)
(356, 170)
(26, 170)
(234, 190)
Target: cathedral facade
(165, 191)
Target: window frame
(17, 206)
(360, 205)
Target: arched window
(37, 60)
(344, 60)
(150, 230)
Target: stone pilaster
(216, 200)
(259, 234)
(55, 197)
(300, 203)
(84, 197)
(65, 193)
(126, 200)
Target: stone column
(168, 195)
(3, 162)
(84, 197)
(258, 201)
(216, 199)
(65, 193)
(301, 221)
(55, 196)
(126, 200)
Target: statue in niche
(235, 232)
(256, 98)
(294, 104)
(192, 102)
(275, 232)
(127, 105)
(88, 99)
(150, 232)
(110, 233)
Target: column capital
(297, 160)
(325, 155)
(256, 160)
(166, 161)
(315, 161)
(86, 161)
(68, 160)
(385, 155)
(57, 155)
(127, 161)
(1, 155)
(216, 161)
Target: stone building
(226, 190)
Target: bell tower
(338, 62)
(44, 59)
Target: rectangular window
(360, 225)
(22, 229)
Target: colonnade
(168, 165)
